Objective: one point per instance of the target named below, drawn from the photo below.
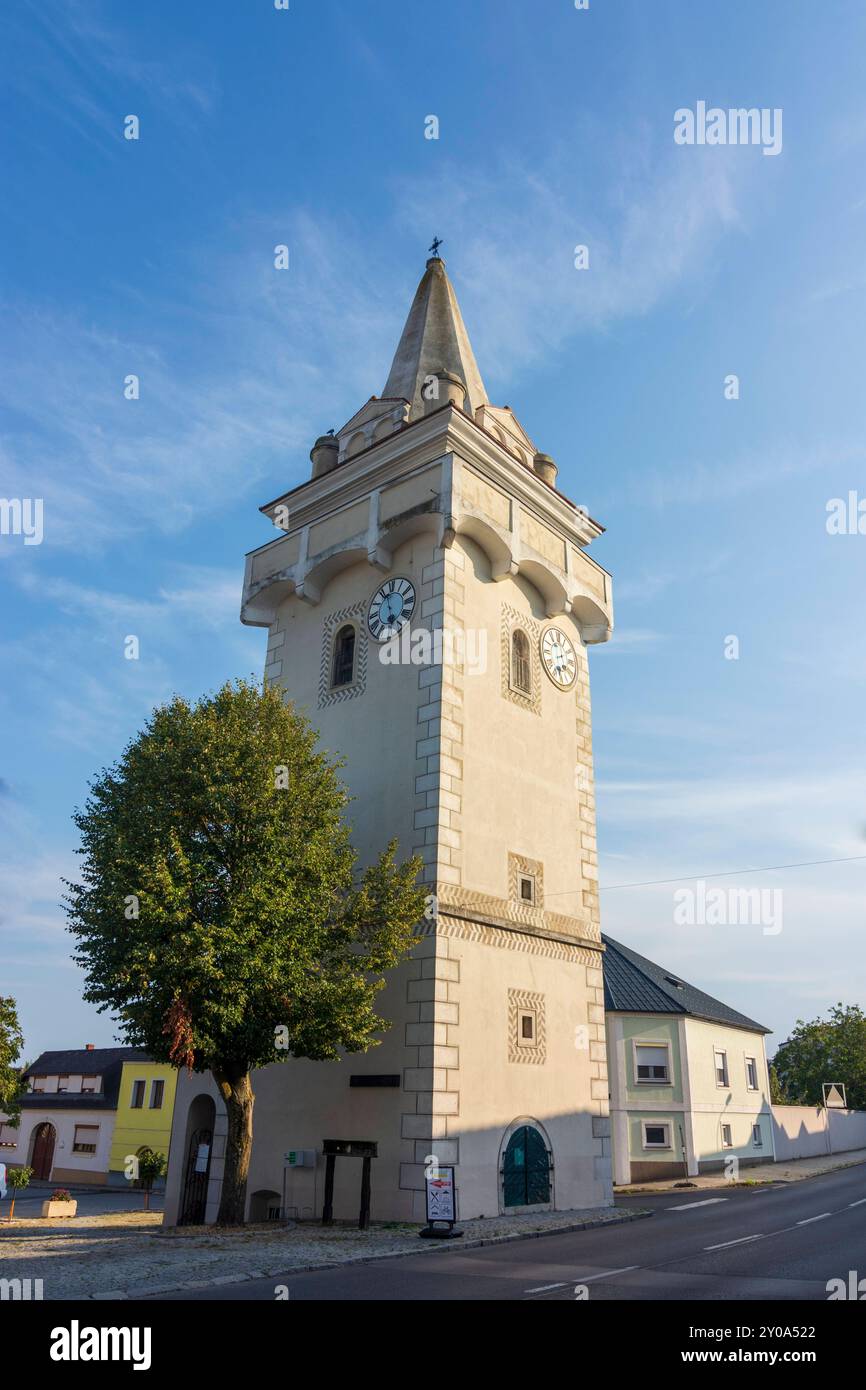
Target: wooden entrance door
(43, 1150)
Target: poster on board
(441, 1201)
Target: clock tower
(429, 603)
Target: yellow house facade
(145, 1106)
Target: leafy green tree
(824, 1050)
(11, 1043)
(777, 1094)
(18, 1179)
(220, 915)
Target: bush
(151, 1165)
(61, 1194)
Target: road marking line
(724, 1245)
(810, 1219)
(608, 1274)
(543, 1288)
(689, 1206)
(857, 1204)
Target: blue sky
(306, 127)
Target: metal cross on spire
(435, 247)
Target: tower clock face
(391, 607)
(558, 657)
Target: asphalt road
(783, 1242)
(89, 1203)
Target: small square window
(526, 1028)
(656, 1136)
(727, 1141)
(527, 888)
(526, 1033)
(757, 1137)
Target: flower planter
(59, 1208)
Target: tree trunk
(233, 1080)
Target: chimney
(89, 1047)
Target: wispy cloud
(263, 362)
(76, 686)
(634, 640)
(514, 227)
(73, 58)
(692, 482)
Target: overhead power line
(727, 873)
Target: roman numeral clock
(558, 657)
(391, 608)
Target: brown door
(43, 1150)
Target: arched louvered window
(521, 674)
(343, 670)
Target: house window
(527, 888)
(521, 674)
(8, 1137)
(343, 668)
(721, 1067)
(527, 1043)
(89, 1084)
(526, 1028)
(85, 1138)
(757, 1137)
(137, 1100)
(727, 1141)
(652, 1064)
(156, 1092)
(656, 1136)
(751, 1074)
(63, 1083)
(37, 1085)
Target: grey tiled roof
(86, 1061)
(635, 985)
(106, 1062)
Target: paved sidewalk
(793, 1171)
(128, 1255)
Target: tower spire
(434, 340)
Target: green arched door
(526, 1169)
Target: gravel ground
(129, 1253)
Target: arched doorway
(44, 1139)
(526, 1169)
(265, 1205)
(196, 1175)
